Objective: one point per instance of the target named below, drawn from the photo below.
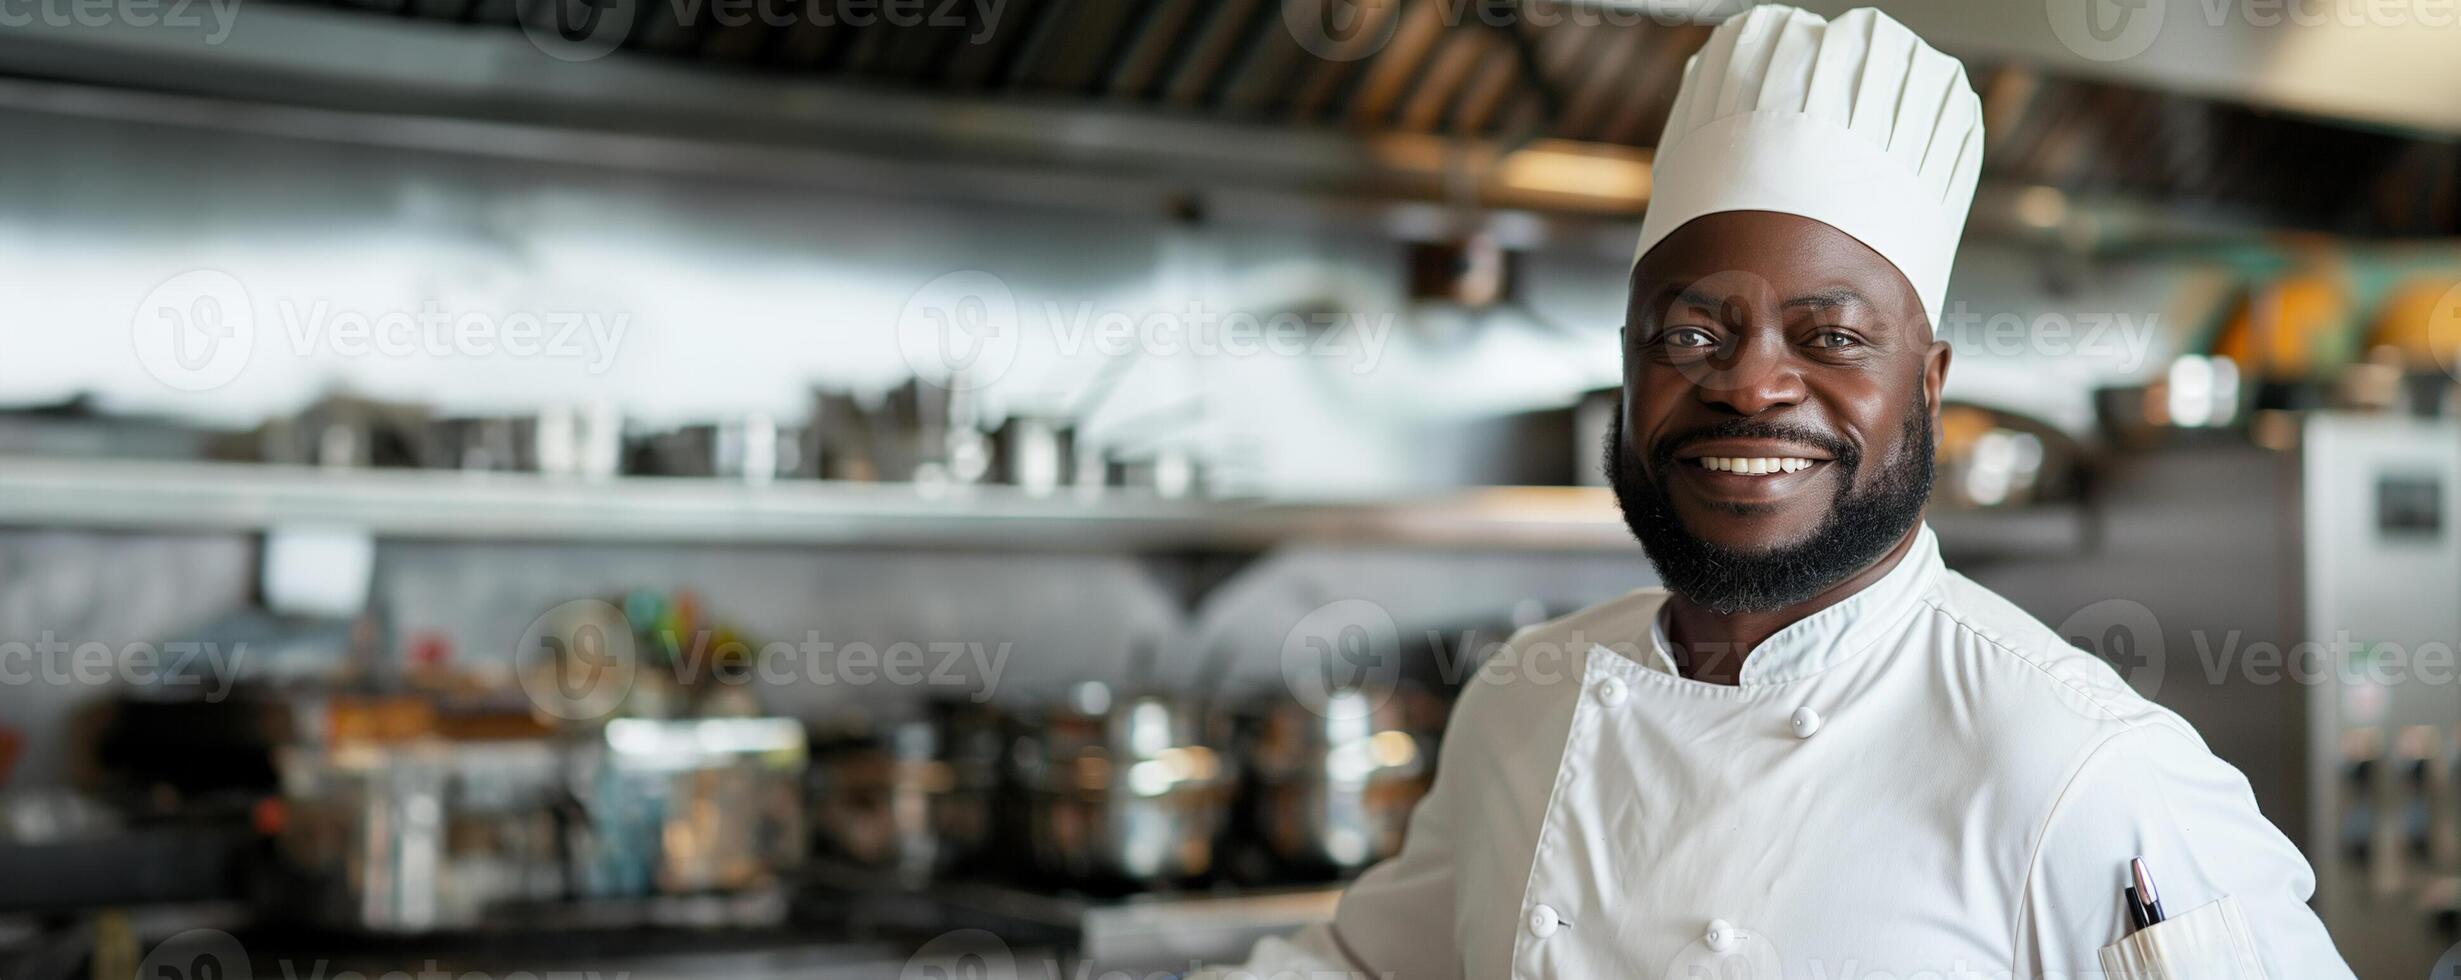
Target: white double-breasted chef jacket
(1918, 783)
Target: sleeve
(1396, 920)
(2155, 791)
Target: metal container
(1037, 454)
(421, 836)
(1337, 776)
(915, 796)
(676, 807)
(1125, 789)
(584, 441)
(752, 448)
(1990, 459)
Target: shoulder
(1546, 661)
(2037, 674)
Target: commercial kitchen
(646, 488)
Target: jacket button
(1542, 922)
(1612, 691)
(1721, 935)
(1805, 722)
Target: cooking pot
(1125, 787)
(1336, 775)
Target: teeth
(1754, 465)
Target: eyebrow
(1828, 299)
(1696, 296)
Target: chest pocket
(2210, 943)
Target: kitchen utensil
(1336, 776)
(1035, 453)
(421, 835)
(347, 432)
(752, 448)
(1125, 788)
(839, 438)
(700, 805)
(1169, 472)
(915, 795)
(1994, 459)
(581, 440)
(490, 443)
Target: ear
(1935, 377)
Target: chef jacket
(1920, 781)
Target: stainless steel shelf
(424, 504)
(150, 495)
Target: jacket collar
(1837, 633)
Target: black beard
(1861, 527)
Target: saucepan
(1125, 787)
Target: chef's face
(1780, 381)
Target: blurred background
(906, 487)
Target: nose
(1759, 376)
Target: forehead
(1757, 256)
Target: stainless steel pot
(423, 835)
(1337, 776)
(1035, 453)
(1127, 788)
(752, 448)
(915, 796)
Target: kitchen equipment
(1993, 459)
(711, 804)
(910, 431)
(76, 427)
(1035, 453)
(419, 835)
(2298, 607)
(1169, 472)
(565, 440)
(347, 432)
(1336, 776)
(752, 448)
(1556, 446)
(1125, 788)
(838, 439)
(492, 443)
(916, 796)
(581, 440)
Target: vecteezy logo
(1730, 952)
(967, 954)
(195, 331)
(2447, 966)
(1342, 30)
(2125, 634)
(580, 662)
(1341, 646)
(576, 30)
(959, 330)
(2106, 30)
(198, 954)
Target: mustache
(1662, 452)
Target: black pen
(2136, 909)
(2145, 892)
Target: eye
(1688, 338)
(1833, 339)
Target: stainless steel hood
(1551, 110)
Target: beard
(1861, 526)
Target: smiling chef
(1817, 752)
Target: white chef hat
(1855, 123)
